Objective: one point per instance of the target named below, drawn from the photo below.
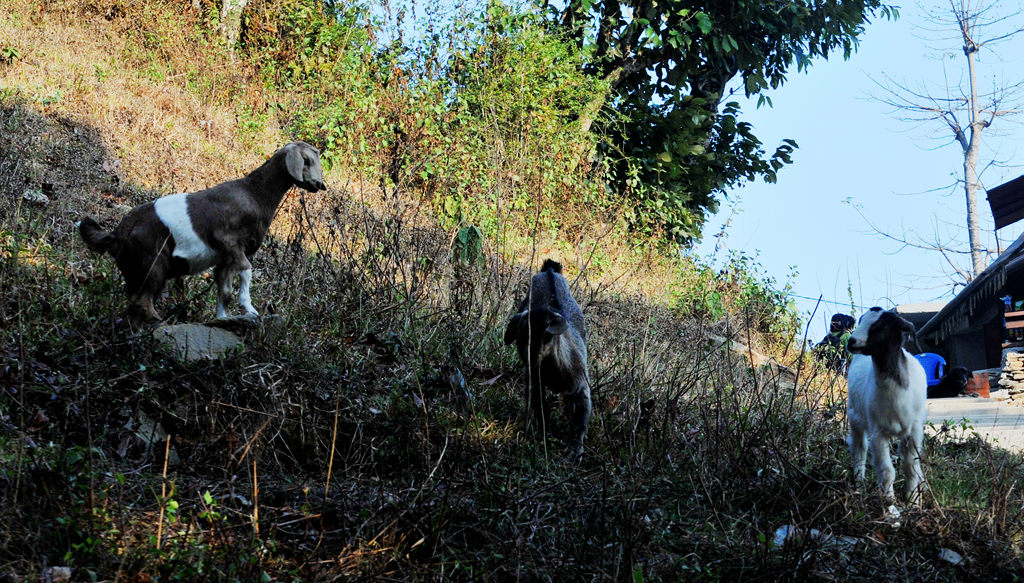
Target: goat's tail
(96, 239)
(551, 265)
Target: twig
(334, 441)
(255, 501)
(163, 493)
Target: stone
(56, 574)
(951, 556)
(150, 432)
(191, 342)
(791, 533)
(254, 329)
(36, 197)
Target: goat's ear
(512, 330)
(557, 324)
(904, 325)
(293, 163)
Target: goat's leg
(882, 463)
(143, 295)
(859, 452)
(910, 461)
(223, 274)
(577, 410)
(535, 403)
(142, 288)
(143, 312)
(244, 299)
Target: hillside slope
(345, 449)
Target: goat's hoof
(244, 318)
(892, 516)
(574, 455)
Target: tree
(668, 140)
(960, 109)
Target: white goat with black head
(887, 392)
(550, 336)
(220, 227)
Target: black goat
(550, 336)
(952, 384)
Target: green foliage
(668, 64)
(468, 246)
(512, 110)
(322, 57)
(741, 288)
(481, 119)
(9, 54)
(512, 139)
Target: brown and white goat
(220, 227)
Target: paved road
(996, 421)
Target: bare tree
(960, 107)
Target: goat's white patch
(244, 299)
(172, 210)
(860, 335)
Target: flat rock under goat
(220, 227)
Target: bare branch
(964, 111)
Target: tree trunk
(971, 191)
(971, 163)
(593, 107)
(231, 20)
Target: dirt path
(997, 421)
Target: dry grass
(166, 127)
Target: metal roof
(956, 314)
(1007, 202)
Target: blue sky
(855, 154)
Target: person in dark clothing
(832, 348)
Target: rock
(951, 556)
(784, 534)
(191, 342)
(56, 574)
(785, 376)
(755, 357)
(457, 382)
(255, 329)
(150, 432)
(36, 197)
(791, 533)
